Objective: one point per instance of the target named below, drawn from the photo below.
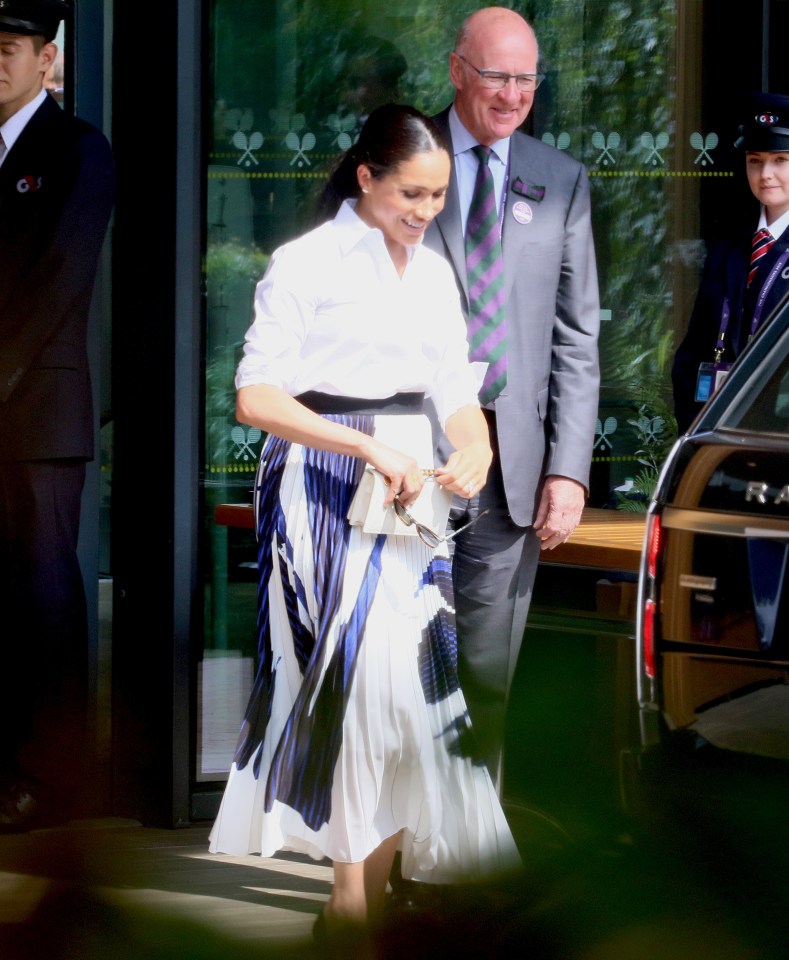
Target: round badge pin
(522, 212)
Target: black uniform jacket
(56, 193)
(724, 277)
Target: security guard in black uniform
(56, 195)
(745, 277)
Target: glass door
(289, 84)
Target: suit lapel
(450, 227)
(24, 157)
(448, 221)
(514, 234)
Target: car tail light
(648, 628)
(648, 614)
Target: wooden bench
(241, 515)
(606, 539)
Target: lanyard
(756, 319)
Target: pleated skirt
(356, 729)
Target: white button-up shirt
(332, 314)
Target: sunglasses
(425, 534)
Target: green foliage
(231, 272)
(656, 441)
(636, 499)
(232, 262)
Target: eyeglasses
(425, 534)
(495, 80)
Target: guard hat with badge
(766, 126)
(33, 17)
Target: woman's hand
(466, 470)
(404, 475)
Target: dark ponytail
(391, 135)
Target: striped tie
(487, 332)
(762, 241)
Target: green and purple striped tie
(487, 331)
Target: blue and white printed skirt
(356, 728)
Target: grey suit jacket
(547, 413)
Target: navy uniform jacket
(56, 193)
(724, 276)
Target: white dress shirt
(16, 123)
(777, 227)
(332, 314)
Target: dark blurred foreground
(679, 878)
(676, 876)
(99, 894)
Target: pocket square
(525, 188)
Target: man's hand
(561, 505)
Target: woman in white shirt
(356, 740)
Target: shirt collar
(777, 227)
(462, 140)
(15, 124)
(352, 230)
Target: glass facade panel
(291, 81)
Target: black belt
(327, 403)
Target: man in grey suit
(542, 422)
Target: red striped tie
(762, 241)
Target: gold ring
(415, 478)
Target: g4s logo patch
(28, 185)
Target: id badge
(704, 382)
(719, 373)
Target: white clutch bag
(367, 508)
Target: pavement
(112, 889)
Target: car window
(769, 411)
(763, 407)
